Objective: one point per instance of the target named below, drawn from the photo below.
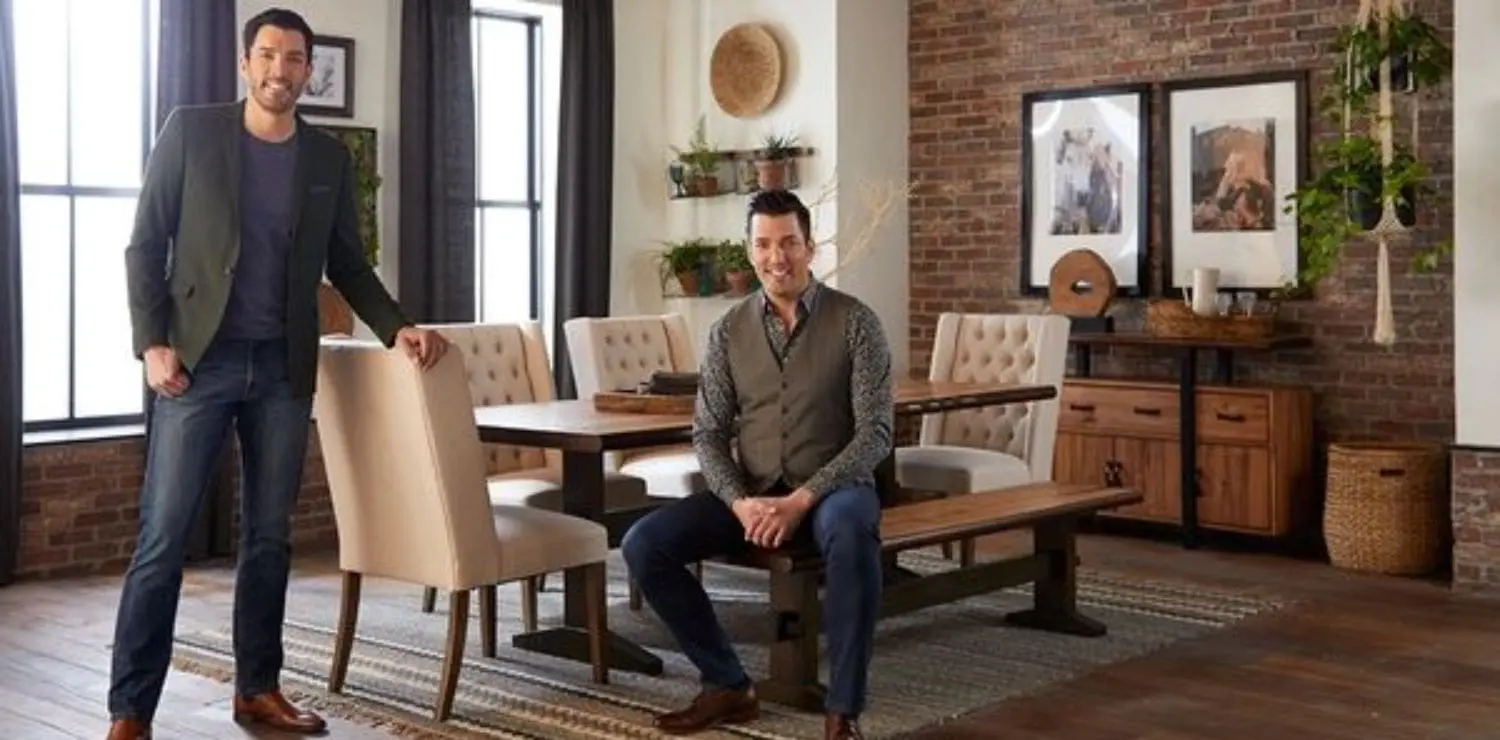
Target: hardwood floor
(1359, 657)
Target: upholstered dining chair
(507, 363)
(621, 352)
(983, 449)
(406, 474)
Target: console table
(1255, 442)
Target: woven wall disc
(1081, 284)
(745, 70)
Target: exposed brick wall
(972, 59)
(80, 507)
(1476, 518)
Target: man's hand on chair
(772, 521)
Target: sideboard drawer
(1143, 411)
(1234, 417)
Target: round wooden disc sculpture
(1081, 284)
(745, 70)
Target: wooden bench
(1051, 510)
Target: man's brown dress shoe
(129, 729)
(710, 709)
(839, 727)
(274, 711)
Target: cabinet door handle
(1112, 470)
(1221, 416)
(1087, 408)
(1145, 411)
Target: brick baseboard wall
(80, 505)
(1476, 518)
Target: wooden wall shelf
(737, 174)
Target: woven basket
(1387, 507)
(1172, 319)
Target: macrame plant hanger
(1382, 12)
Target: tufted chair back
(1007, 348)
(619, 352)
(505, 363)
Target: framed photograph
(1236, 147)
(1085, 169)
(330, 84)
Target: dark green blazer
(186, 241)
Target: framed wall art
(1236, 147)
(330, 83)
(1085, 164)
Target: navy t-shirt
(257, 300)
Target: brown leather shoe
(129, 729)
(710, 709)
(274, 711)
(839, 727)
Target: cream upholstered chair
(999, 446)
(619, 353)
(507, 363)
(406, 473)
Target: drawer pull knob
(1144, 411)
(1229, 417)
(1087, 408)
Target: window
(85, 88)
(515, 95)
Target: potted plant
(773, 161)
(702, 162)
(734, 261)
(1344, 197)
(685, 260)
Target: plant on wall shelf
(685, 261)
(701, 160)
(733, 259)
(773, 161)
(1344, 198)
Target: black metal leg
(1223, 366)
(1187, 384)
(1083, 356)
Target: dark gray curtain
(10, 306)
(438, 178)
(198, 48)
(585, 163)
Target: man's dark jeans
(845, 527)
(239, 383)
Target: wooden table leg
(793, 679)
(1055, 595)
(583, 496)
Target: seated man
(797, 379)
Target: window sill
(77, 436)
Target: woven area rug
(930, 666)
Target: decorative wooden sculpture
(1081, 287)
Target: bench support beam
(1055, 596)
(798, 611)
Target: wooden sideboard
(1253, 451)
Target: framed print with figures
(1235, 148)
(1085, 173)
(330, 83)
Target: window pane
(41, 31)
(45, 311)
(108, 375)
(506, 264)
(504, 123)
(107, 92)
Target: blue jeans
(239, 383)
(845, 527)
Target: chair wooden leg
(541, 583)
(635, 597)
(596, 606)
(453, 654)
(343, 640)
(966, 553)
(529, 589)
(429, 600)
(488, 596)
(947, 551)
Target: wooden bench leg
(794, 650)
(1055, 606)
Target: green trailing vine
(1343, 199)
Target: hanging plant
(1354, 178)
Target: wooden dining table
(583, 434)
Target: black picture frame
(330, 82)
(1039, 249)
(1250, 245)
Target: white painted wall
(1476, 223)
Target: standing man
(243, 208)
(796, 384)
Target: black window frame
(74, 422)
(533, 202)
